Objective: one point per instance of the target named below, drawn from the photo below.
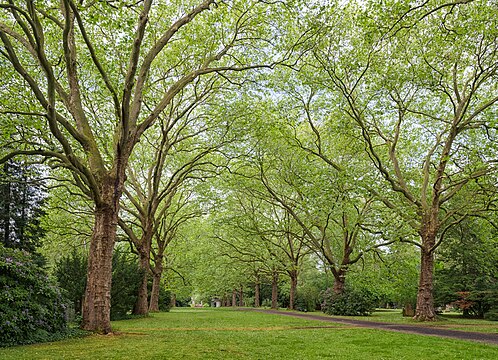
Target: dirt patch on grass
(144, 331)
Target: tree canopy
(246, 147)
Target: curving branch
(133, 113)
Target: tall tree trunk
(425, 298)
(172, 303)
(234, 297)
(97, 303)
(257, 291)
(241, 296)
(157, 273)
(142, 302)
(274, 290)
(293, 288)
(154, 294)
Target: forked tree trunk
(97, 303)
(425, 299)
(257, 291)
(340, 272)
(274, 290)
(293, 288)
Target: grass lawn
(453, 321)
(231, 334)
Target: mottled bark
(97, 303)
(425, 299)
(339, 281)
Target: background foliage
(32, 308)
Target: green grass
(232, 334)
(453, 321)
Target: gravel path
(488, 338)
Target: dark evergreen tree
(21, 205)
(467, 268)
(70, 272)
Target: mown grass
(232, 334)
(453, 321)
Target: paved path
(488, 338)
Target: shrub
(32, 308)
(164, 299)
(476, 303)
(484, 301)
(352, 302)
(491, 315)
(266, 303)
(70, 272)
(126, 278)
(308, 299)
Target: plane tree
(179, 151)
(260, 232)
(182, 210)
(335, 220)
(422, 92)
(94, 76)
(313, 178)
